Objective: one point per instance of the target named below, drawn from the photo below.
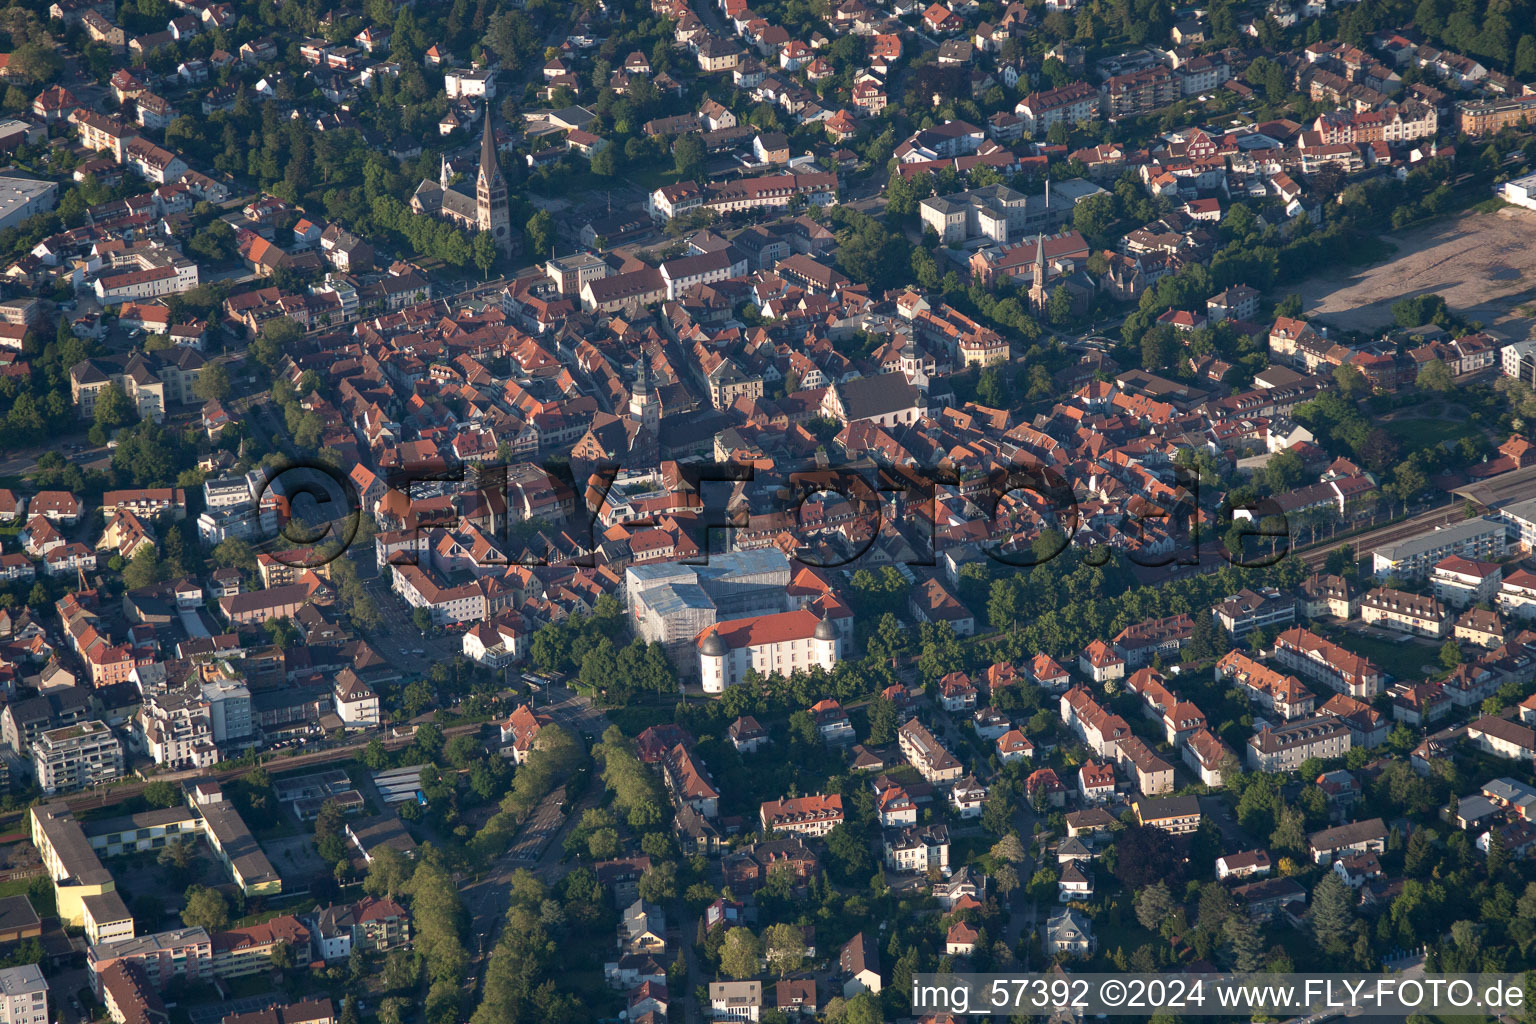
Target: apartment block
(1283, 748)
(76, 756)
(1412, 559)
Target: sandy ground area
(1483, 263)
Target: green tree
(1332, 912)
(234, 553)
(1153, 906)
(603, 844)
(113, 408)
(205, 908)
(1243, 941)
(143, 570)
(1290, 830)
(882, 721)
(688, 155)
(281, 955)
(388, 873)
(276, 337)
(1436, 376)
(329, 840)
(484, 252)
(540, 230)
(161, 793)
(1525, 56)
(784, 946)
(178, 857)
(214, 243)
(374, 756)
(741, 954)
(658, 883)
(212, 383)
(1008, 850)
(1352, 383)
(33, 62)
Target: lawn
(15, 887)
(1404, 659)
(965, 849)
(1416, 434)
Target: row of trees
(554, 756)
(519, 983)
(437, 921)
(637, 796)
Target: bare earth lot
(1483, 263)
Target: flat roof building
(21, 198)
(23, 995)
(76, 756)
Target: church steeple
(912, 365)
(1037, 294)
(492, 212)
(490, 169)
(643, 403)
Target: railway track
(1411, 527)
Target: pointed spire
(1040, 249)
(488, 166)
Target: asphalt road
(544, 831)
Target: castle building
(483, 209)
(772, 644)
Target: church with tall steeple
(485, 208)
(491, 210)
(1039, 297)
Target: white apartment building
(229, 711)
(1284, 747)
(461, 83)
(472, 601)
(812, 816)
(176, 729)
(356, 702)
(1481, 538)
(1520, 517)
(1405, 612)
(23, 995)
(1518, 360)
(918, 849)
(145, 271)
(23, 198)
(1461, 582)
(76, 756)
(924, 752)
(1517, 594)
(701, 268)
